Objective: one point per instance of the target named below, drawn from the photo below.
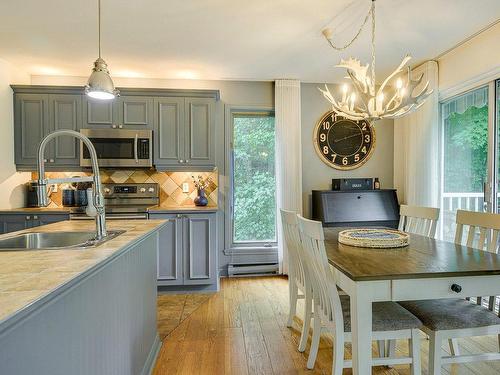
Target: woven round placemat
(376, 238)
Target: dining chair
(332, 310)
(457, 318)
(418, 220)
(297, 281)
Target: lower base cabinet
(15, 221)
(187, 249)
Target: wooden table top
(423, 258)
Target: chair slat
(492, 246)
(482, 238)
(470, 236)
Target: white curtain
(416, 147)
(288, 156)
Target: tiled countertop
(28, 278)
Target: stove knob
(151, 189)
(142, 190)
(107, 191)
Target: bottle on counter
(376, 184)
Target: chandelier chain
(99, 25)
(372, 11)
(348, 44)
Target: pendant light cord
(99, 25)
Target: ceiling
(229, 39)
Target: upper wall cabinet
(183, 124)
(127, 112)
(37, 115)
(185, 133)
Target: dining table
(425, 269)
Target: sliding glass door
(464, 164)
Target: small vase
(201, 199)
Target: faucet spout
(97, 197)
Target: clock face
(342, 143)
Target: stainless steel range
(124, 201)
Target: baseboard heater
(235, 270)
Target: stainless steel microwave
(118, 147)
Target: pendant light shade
(100, 85)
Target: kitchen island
(81, 311)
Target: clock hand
(349, 136)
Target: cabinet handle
(187, 161)
(181, 161)
(45, 160)
(120, 126)
(113, 126)
(28, 217)
(51, 160)
(35, 217)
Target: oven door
(118, 148)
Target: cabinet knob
(187, 161)
(35, 217)
(51, 160)
(120, 126)
(45, 160)
(456, 288)
(28, 217)
(181, 161)
(113, 126)
(179, 216)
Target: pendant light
(100, 85)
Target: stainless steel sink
(54, 240)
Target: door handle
(135, 148)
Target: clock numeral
(334, 156)
(325, 150)
(363, 150)
(322, 137)
(367, 138)
(344, 160)
(356, 158)
(326, 125)
(364, 127)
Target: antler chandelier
(361, 100)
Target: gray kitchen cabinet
(200, 132)
(185, 133)
(37, 115)
(135, 112)
(170, 252)
(31, 124)
(11, 222)
(169, 131)
(98, 113)
(200, 265)
(65, 112)
(187, 252)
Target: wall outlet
(185, 187)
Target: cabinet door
(14, 222)
(30, 126)
(65, 113)
(99, 113)
(169, 131)
(135, 112)
(170, 251)
(200, 256)
(200, 132)
(44, 219)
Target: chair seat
(445, 314)
(387, 316)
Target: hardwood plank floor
(242, 330)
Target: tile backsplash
(170, 183)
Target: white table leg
(361, 323)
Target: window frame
(247, 247)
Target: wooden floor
(242, 330)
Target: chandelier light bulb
(399, 83)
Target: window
(253, 180)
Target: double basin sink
(54, 240)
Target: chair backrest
(291, 235)
(326, 296)
(418, 220)
(489, 226)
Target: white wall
(476, 59)
(11, 182)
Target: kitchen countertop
(154, 209)
(45, 210)
(29, 278)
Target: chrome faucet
(97, 197)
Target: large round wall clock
(342, 143)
